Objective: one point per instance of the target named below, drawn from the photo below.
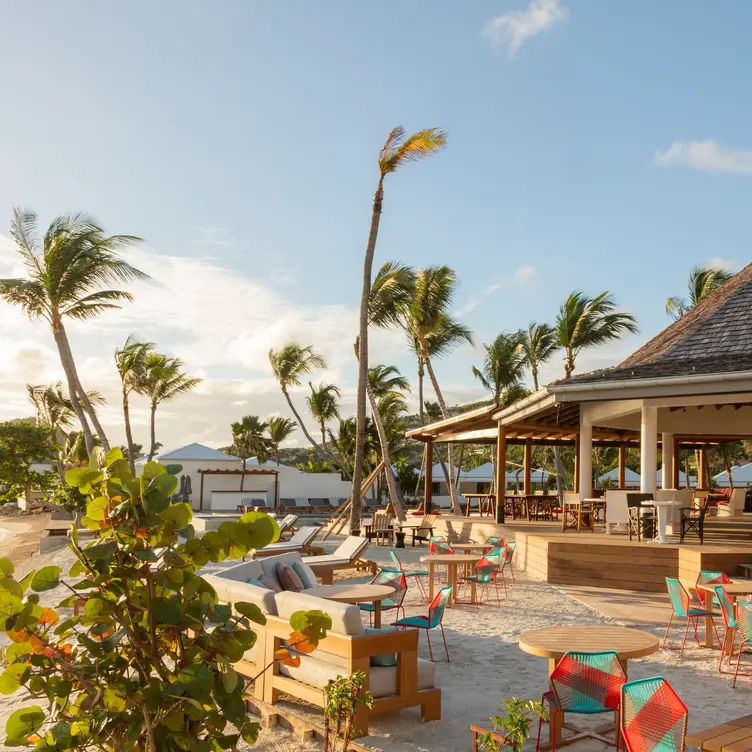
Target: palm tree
(701, 282)
(162, 380)
(290, 363)
(539, 342)
(324, 406)
(397, 151)
(434, 333)
(66, 271)
(279, 430)
(503, 365)
(248, 440)
(129, 362)
(585, 322)
(730, 453)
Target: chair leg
(428, 637)
(684, 641)
(511, 569)
(665, 637)
(738, 660)
(443, 636)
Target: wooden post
(201, 492)
(427, 491)
(527, 462)
(675, 464)
(276, 490)
(703, 470)
(576, 480)
(622, 481)
(501, 471)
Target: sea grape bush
(146, 662)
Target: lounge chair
(302, 505)
(320, 505)
(246, 505)
(347, 556)
(425, 531)
(287, 522)
(299, 542)
(287, 505)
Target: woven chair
(680, 602)
(710, 577)
(729, 621)
(483, 578)
(652, 718)
(433, 620)
(398, 581)
(585, 684)
(439, 545)
(495, 540)
(506, 562)
(418, 574)
(692, 519)
(744, 625)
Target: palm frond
(28, 294)
(385, 380)
(399, 150)
(291, 362)
(390, 294)
(92, 305)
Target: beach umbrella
(188, 490)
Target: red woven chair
(586, 684)
(709, 577)
(744, 625)
(652, 717)
(681, 607)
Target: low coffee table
(355, 594)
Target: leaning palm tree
(701, 282)
(539, 341)
(66, 273)
(503, 365)
(323, 402)
(162, 380)
(290, 363)
(397, 151)
(130, 363)
(279, 430)
(248, 440)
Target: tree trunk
(360, 406)
(69, 367)
(391, 482)
(153, 447)
(128, 432)
(242, 476)
(686, 470)
(276, 453)
(420, 391)
(94, 418)
(727, 465)
(568, 363)
(560, 474)
(535, 377)
(450, 448)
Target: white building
(740, 474)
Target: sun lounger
(346, 556)
(302, 505)
(320, 505)
(248, 504)
(299, 542)
(286, 523)
(372, 504)
(287, 505)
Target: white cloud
(707, 156)
(521, 276)
(512, 29)
(524, 275)
(729, 265)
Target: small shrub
(343, 697)
(513, 730)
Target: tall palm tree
(398, 150)
(279, 430)
(290, 363)
(539, 341)
(162, 380)
(323, 402)
(701, 282)
(248, 440)
(66, 273)
(130, 364)
(730, 453)
(503, 365)
(432, 329)
(585, 322)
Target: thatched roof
(714, 337)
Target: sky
(592, 146)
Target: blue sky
(591, 146)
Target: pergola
(247, 471)
(690, 387)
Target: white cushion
(383, 681)
(351, 547)
(345, 617)
(232, 591)
(242, 572)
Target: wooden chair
(692, 519)
(576, 514)
(425, 531)
(381, 528)
(635, 524)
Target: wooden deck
(609, 561)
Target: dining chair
(398, 581)
(744, 624)
(681, 607)
(652, 718)
(433, 620)
(729, 621)
(483, 578)
(417, 574)
(710, 577)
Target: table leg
(453, 582)
(473, 592)
(709, 631)
(431, 575)
(377, 615)
(554, 725)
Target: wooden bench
(732, 736)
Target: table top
(351, 593)
(732, 588)
(661, 503)
(451, 558)
(471, 546)
(732, 736)
(479, 495)
(553, 642)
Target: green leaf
(6, 568)
(116, 453)
(61, 733)
(251, 611)
(152, 470)
(46, 579)
(179, 515)
(114, 700)
(17, 650)
(238, 537)
(197, 681)
(167, 484)
(96, 509)
(174, 469)
(250, 732)
(25, 722)
(11, 586)
(262, 528)
(26, 581)
(220, 613)
(101, 551)
(167, 611)
(217, 545)
(89, 523)
(230, 679)
(73, 477)
(13, 677)
(10, 606)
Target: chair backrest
(398, 581)
(380, 521)
(709, 577)
(485, 568)
(439, 546)
(494, 540)
(438, 604)
(727, 607)
(588, 682)
(652, 717)
(744, 620)
(679, 596)
(617, 509)
(395, 560)
(571, 497)
(509, 552)
(427, 522)
(351, 547)
(287, 503)
(303, 537)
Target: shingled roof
(714, 337)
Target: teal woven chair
(437, 545)
(744, 625)
(710, 577)
(483, 578)
(396, 580)
(729, 621)
(495, 540)
(682, 608)
(652, 718)
(433, 620)
(506, 562)
(416, 574)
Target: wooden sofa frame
(357, 650)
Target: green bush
(68, 497)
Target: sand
(487, 665)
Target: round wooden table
(553, 642)
(734, 590)
(472, 546)
(355, 594)
(451, 562)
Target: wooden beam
(527, 462)
(501, 471)
(622, 480)
(427, 491)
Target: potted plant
(512, 731)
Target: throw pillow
(300, 570)
(269, 583)
(288, 579)
(387, 660)
(255, 581)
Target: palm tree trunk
(535, 377)
(69, 368)
(242, 476)
(276, 453)
(94, 418)
(420, 391)
(450, 448)
(153, 447)
(128, 432)
(391, 483)
(360, 405)
(727, 465)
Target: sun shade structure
(248, 471)
(689, 387)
